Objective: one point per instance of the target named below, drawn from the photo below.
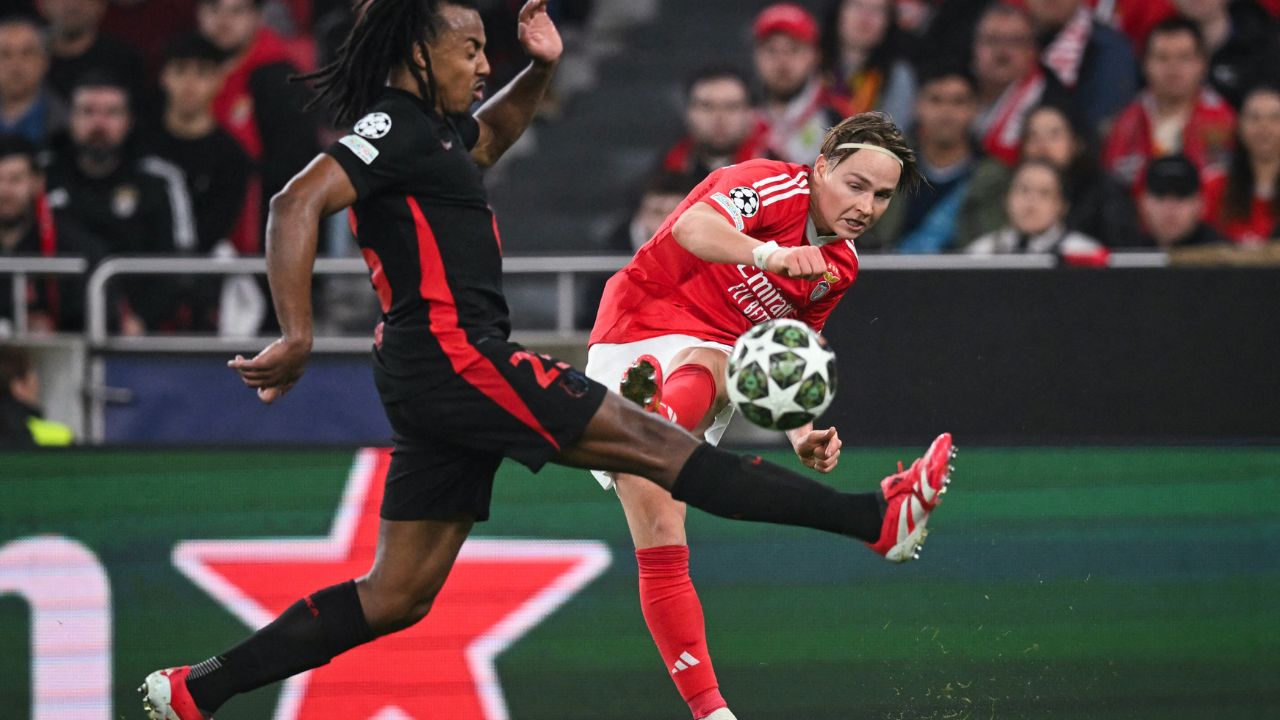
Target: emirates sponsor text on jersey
(757, 298)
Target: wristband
(760, 254)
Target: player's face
(1004, 49)
(1260, 125)
(458, 61)
(1035, 200)
(99, 118)
(229, 24)
(1049, 138)
(1170, 218)
(785, 65)
(1174, 66)
(18, 186)
(22, 61)
(850, 196)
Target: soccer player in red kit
(458, 393)
(753, 242)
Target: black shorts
(449, 440)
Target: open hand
(820, 450)
(537, 34)
(275, 370)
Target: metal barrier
(565, 270)
(20, 267)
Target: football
(781, 374)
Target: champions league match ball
(781, 374)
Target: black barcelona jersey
(426, 230)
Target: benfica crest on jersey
(822, 288)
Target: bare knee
(662, 528)
(389, 608)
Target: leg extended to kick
(623, 438)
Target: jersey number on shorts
(538, 362)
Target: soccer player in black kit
(459, 395)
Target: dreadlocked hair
(386, 34)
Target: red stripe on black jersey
(496, 235)
(378, 277)
(467, 362)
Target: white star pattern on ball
(781, 374)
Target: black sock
(748, 488)
(306, 635)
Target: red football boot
(642, 385)
(912, 494)
(165, 696)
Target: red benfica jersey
(667, 290)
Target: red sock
(674, 615)
(688, 392)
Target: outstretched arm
(708, 235)
(321, 189)
(506, 115)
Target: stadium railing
(565, 270)
(21, 268)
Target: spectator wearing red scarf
(1010, 80)
(797, 107)
(720, 127)
(1178, 113)
(258, 105)
(1092, 60)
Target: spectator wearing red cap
(797, 108)
(863, 57)
(720, 127)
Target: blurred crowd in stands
(1072, 127)
(1046, 126)
(163, 127)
